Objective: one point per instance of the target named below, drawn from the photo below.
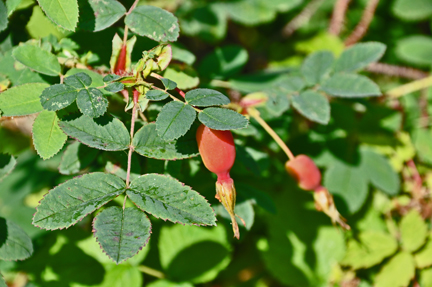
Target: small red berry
(304, 170)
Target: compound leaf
(73, 200)
(166, 198)
(316, 66)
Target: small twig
(255, 114)
(61, 78)
(397, 71)
(338, 16)
(151, 271)
(142, 116)
(180, 92)
(410, 87)
(132, 7)
(362, 27)
(132, 130)
(302, 18)
(125, 35)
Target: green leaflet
(76, 157)
(359, 56)
(412, 10)
(316, 66)
(92, 102)
(413, 231)
(73, 200)
(3, 16)
(105, 133)
(350, 86)
(122, 233)
(7, 164)
(208, 252)
(48, 138)
(222, 119)
(166, 198)
(313, 106)
(206, 97)
(22, 100)
(415, 49)
(15, 244)
(62, 12)
(153, 22)
(148, 143)
(99, 15)
(156, 95)
(397, 272)
(174, 120)
(57, 97)
(37, 59)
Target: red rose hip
(304, 170)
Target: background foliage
(340, 102)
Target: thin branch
(125, 35)
(132, 7)
(397, 71)
(362, 27)
(151, 271)
(410, 87)
(132, 130)
(302, 18)
(338, 16)
(255, 114)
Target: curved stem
(151, 271)
(362, 27)
(255, 114)
(410, 87)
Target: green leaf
(92, 102)
(110, 78)
(148, 143)
(413, 231)
(2, 281)
(12, 5)
(76, 157)
(166, 198)
(7, 164)
(15, 244)
(73, 200)
(422, 139)
(250, 12)
(223, 62)
(153, 22)
(348, 182)
(48, 138)
(105, 13)
(222, 119)
(313, 106)
(78, 81)
(380, 172)
(22, 100)
(206, 97)
(369, 249)
(96, 79)
(121, 233)
(423, 258)
(168, 84)
(3, 16)
(37, 59)
(105, 133)
(316, 66)
(114, 87)
(207, 252)
(350, 86)
(416, 49)
(174, 120)
(184, 75)
(156, 95)
(413, 10)
(62, 12)
(57, 97)
(426, 277)
(359, 56)
(397, 272)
